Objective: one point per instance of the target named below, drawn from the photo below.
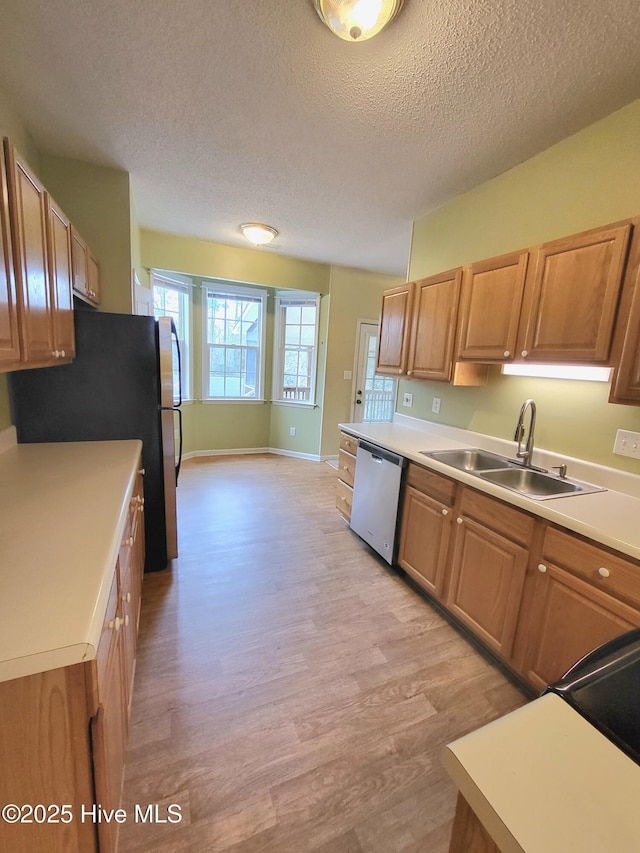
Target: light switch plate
(347, 374)
(627, 443)
(407, 400)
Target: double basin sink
(533, 483)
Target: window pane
(234, 329)
(307, 335)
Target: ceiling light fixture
(357, 20)
(258, 234)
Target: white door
(374, 396)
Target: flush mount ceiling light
(258, 234)
(357, 20)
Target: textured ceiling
(227, 112)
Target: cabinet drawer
(606, 571)
(348, 443)
(346, 467)
(432, 484)
(498, 516)
(344, 498)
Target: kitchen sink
(536, 485)
(471, 460)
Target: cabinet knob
(524, 353)
(115, 624)
(128, 541)
(542, 568)
(62, 353)
(126, 619)
(126, 597)
(409, 372)
(459, 519)
(399, 371)
(445, 511)
(506, 353)
(604, 573)
(141, 471)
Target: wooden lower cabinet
(468, 834)
(536, 595)
(488, 569)
(63, 732)
(582, 596)
(346, 474)
(425, 529)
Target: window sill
(233, 400)
(298, 404)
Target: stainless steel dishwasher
(376, 492)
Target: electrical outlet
(435, 406)
(347, 374)
(627, 443)
(407, 400)
(292, 430)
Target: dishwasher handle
(379, 454)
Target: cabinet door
(625, 387)
(490, 308)
(572, 296)
(393, 340)
(79, 263)
(108, 730)
(60, 276)
(28, 212)
(424, 539)
(93, 279)
(9, 339)
(435, 310)
(487, 579)
(568, 618)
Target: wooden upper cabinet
(491, 301)
(9, 337)
(79, 263)
(93, 279)
(625, 387)
(572, 295)
(28, 213)
(393, 339)
(433, 328)
(60, 277)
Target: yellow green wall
(589, 179)
(346, 295)
(223, 426)
(96, 199)
(355, 295)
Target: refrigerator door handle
(179, 462)
(174, 332)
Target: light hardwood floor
(293, 692)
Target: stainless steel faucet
(518, 435)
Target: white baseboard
(246, 451)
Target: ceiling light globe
(257, 233)
(357, 20)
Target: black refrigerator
(119, 386)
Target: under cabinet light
(559, 371)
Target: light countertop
(611, 517)
(543, 780)
(63, 508)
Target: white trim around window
(295, 357)
(233, 343)
(179, 308)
